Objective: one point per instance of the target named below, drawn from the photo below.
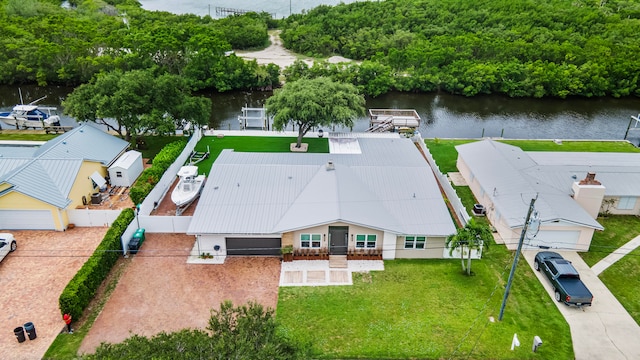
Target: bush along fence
(150, 176)
(81, 289)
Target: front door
(338, 240)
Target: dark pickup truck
(564, 278)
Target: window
(118, 173)
(365, 241)
(626, 203)
(310, 240)
(415, 242)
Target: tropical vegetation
(310, 103)
(473, 236)
(45, 43)
(138, 101)
(521, 48)
(234, 332)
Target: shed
(126, 169)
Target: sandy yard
(280, 56)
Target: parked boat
(188, 187)
(31, 116)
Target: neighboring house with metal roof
(36, 191)
(504, 179)
(382, 198)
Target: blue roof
(84, 142)
(49, 175)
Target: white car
(7, 244)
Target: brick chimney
(589, 193)
(590, 180)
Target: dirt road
(280, 56)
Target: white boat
(31, 116)
(188, 187)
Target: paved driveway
(159, 291)
(31, 280)
(603, 331)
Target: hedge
(150, 176)
(80, 290)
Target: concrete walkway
(318, 272)
(616, 255)
(603, 331)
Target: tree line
(520, 48)
(47, 44)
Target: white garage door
(554, 239)
(26, 220)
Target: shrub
(80, 290)
(150, 176)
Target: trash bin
(96, 199)
(134, 244)
(19, 332)
(31, 330)
(136, 241)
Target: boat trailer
(197, 156)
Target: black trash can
(19, 332)
(31, 330)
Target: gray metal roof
(512, 178)
(389, 186)
(48, 180)
(84, 142)
(49, 175)
(618, 172)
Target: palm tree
(473, 236)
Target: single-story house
(572, 189)
(379, 195)
(126, 169)
(38, 186)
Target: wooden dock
(381, 120)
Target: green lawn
(445, 154)
(618, 277)
(618, 229)
(26, 136)
(428, 309)
(253, 144)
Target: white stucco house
(572, 189)
(379, 195)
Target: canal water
(443, 115)
(279, 8)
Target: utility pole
(515, 261)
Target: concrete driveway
(159, 291)
(603, 331)
(31, 281)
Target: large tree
(242, 332)
(473, 236)
(137, 101)
(310, 103)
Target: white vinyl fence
(455, 201)
(92, 218)
(161, 224)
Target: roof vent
(330, 165)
